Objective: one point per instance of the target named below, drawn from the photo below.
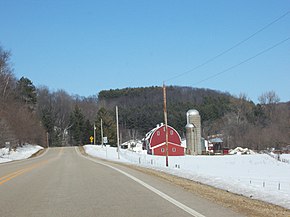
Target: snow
(239, 151)
(280, 157)
(20, 153)
(257, 176)
(105, 152)
(285, 156)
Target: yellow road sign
(92, 139)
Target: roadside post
(105, 142)
(118, 140)
(95, 133)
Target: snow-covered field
(20, 153)
(285, 156)
(258, 176)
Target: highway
(63, 182)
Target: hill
(38, 116)
(240, 121)
(142, 108)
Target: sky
(86, 46)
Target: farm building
(155, 142)
(193, 133)
(215, 145)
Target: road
(62, 182)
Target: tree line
(240, 121)
(36, 115)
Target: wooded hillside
(19, 122)
(38, 116)
(241, 122)
(142, 108)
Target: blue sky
(85, 46)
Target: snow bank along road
(62, 182)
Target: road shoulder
(237, 203)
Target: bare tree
(55, 109)
(269, 101)
(7, 79)
(241, 107)
(269, 97)
(63, 106)
(89, 107)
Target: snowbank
(20, 153)
(239, 151)
(285, 156)
(105, 152)
(134, 145)
(257, 176)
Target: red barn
(155, 142)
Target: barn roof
(150, 133)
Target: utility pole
(102, 135)
(95, 133)
(47, 139)
(165, 120)
(118, 140)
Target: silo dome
(189, 126)
(192, 112)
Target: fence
(278, 157)
(179, 164)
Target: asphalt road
(62, 182)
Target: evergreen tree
(77, 126)
(109, 126)
(26, 91)
(88, 132)
(48, 122)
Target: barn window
(173, 149)
(158, 133)
(171, 132)
(162, 150)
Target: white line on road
(156, 191)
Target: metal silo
(193, 132)
(189, 139)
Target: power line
(231, 48)
(244, 61)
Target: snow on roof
(148, 135)
(183, 143)
(216, 140)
